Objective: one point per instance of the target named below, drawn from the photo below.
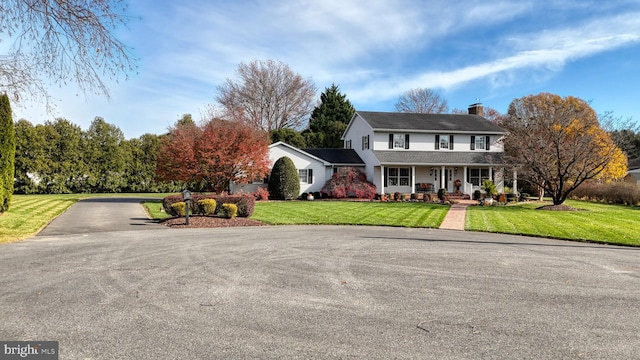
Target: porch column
(382, 179)
(442, 177)
(413, 179)
(464, 179)
(491, 173)
(515, 182)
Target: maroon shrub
(349, 182)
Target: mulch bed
(210, 222)
(558, 208)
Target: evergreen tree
(329, 120)
(7, 153)
(288, 136)
(284, 183)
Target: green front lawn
(405, 214)
(614, 224)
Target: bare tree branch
(61, 41)
(422, 101)
(268, 95)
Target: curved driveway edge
(102, 214)
(321, 292)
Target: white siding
(355, 131)
(426, 142)
(301, 161)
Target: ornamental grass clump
(230, 210)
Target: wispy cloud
(548, 50)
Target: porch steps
(458, 197)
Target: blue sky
(375, 50)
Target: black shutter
(488, 142)
(473, 142)
(406, 141)
(368, 142)
(437, 142)
(390, 141)
(451, 142)
(310, 176)
(386, 173)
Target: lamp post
(186, 197)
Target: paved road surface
(321, 292)
(102, 214)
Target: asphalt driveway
(102, 214)
(321, 292)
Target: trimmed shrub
(284, 183)
(477, 195)
(245, 203)
(179, 209)
(230, 210)
(613, 193)
(442, 193)
(261, 194)
(348, 182)
(207, 206)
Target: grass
(28, 214)
(405, 214)
(611, 224)
(155, 210)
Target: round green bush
(284, 183)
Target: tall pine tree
(7, 153)
(329, 120)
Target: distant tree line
(59, 157)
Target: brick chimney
(476, 109)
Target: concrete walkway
(456, 215)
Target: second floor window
(480, 142)
(398, 141)
(444, 142)
(365, 142)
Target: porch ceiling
(438, 158)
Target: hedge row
(244, 203)
(627, 193)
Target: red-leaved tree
(213, 154)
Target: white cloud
(548, 50)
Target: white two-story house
(409, 153)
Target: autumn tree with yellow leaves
(557, 143)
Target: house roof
(634, 164)
(437, 158)
(336, 156)
(455, 123)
